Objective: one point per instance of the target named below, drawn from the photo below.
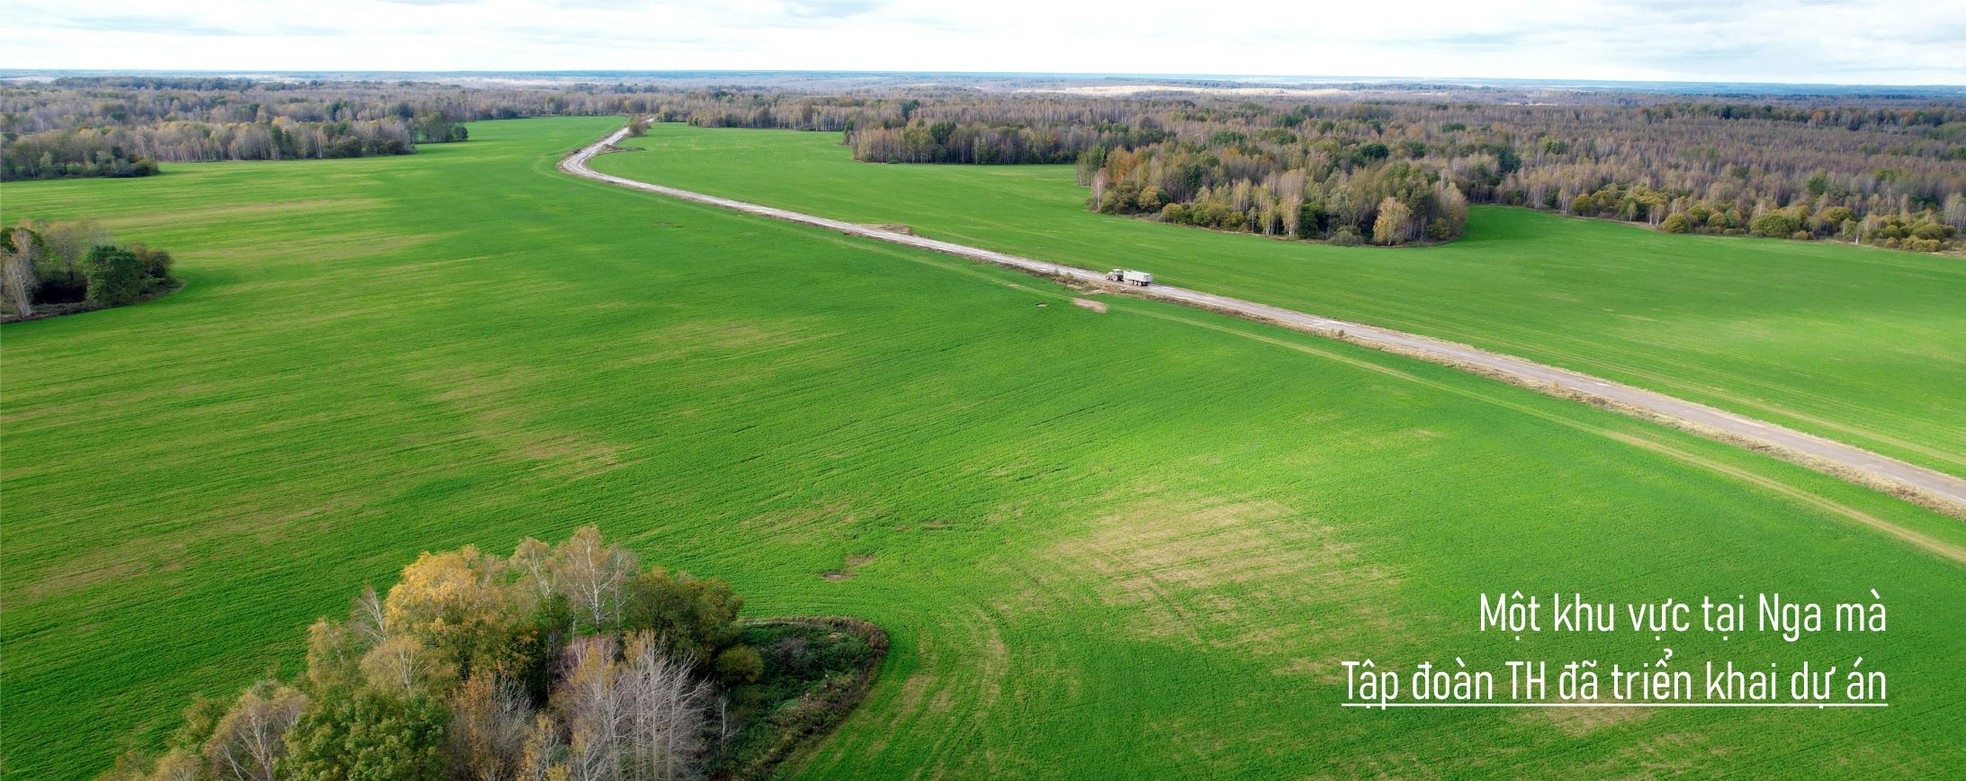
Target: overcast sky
(1859, 41)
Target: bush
(156, 263)
(1346, 237)
(1676, 223)
(739, 665)
(1774, 224)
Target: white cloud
(1878, 41)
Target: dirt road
(1934, 489)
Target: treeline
(1351, 195)
(1323, 169)
(1927, 230)
(973, 142)
(77, 132)
(135, 151)
(60, 268)
(560, 661)
(1848, 117)
(1233, 163)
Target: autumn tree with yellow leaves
(558, 662)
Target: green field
(1862, 345)
(1122, 545)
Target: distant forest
(1392, 172)
(125, 127)
(1346, 167)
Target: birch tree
(591, 706)
(592, 576)
(1390, 226)
(667, 712)
(17, 277)
(250, 739)
(534, 561)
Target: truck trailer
(1128, 277)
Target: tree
(1774, 223)
(644, 717)
(1390, 226)
(544, 755)
(201, 719)
(436, 127)
(534, 561)
(489, 728)
(693, 617)
(667, 712)
(1312, 220)
(590, 704)
(460, 609)
(334, 658)
(403, 666)
(592, 576)
(1676, 223)
(368, 618)
(441, 676)
(156, 262)
(1452, 217)
(19, 249)
(68, 243)
(115, 276)
(247, 743)
(371, 735)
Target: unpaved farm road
(1845, 461)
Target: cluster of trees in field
(565, 662)
(65, 267)
(1325, 169)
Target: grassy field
(1862, 345)
(1123, 545)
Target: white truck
(1135, 278)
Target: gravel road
(1937, 488)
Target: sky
(1783, 41)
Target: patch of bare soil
(854, 561)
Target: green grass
(1123, 545)
(1862, 345)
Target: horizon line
(1275, 80)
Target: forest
(124, 127)
(1398, 171)
(1385, 167)
(567, 662)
